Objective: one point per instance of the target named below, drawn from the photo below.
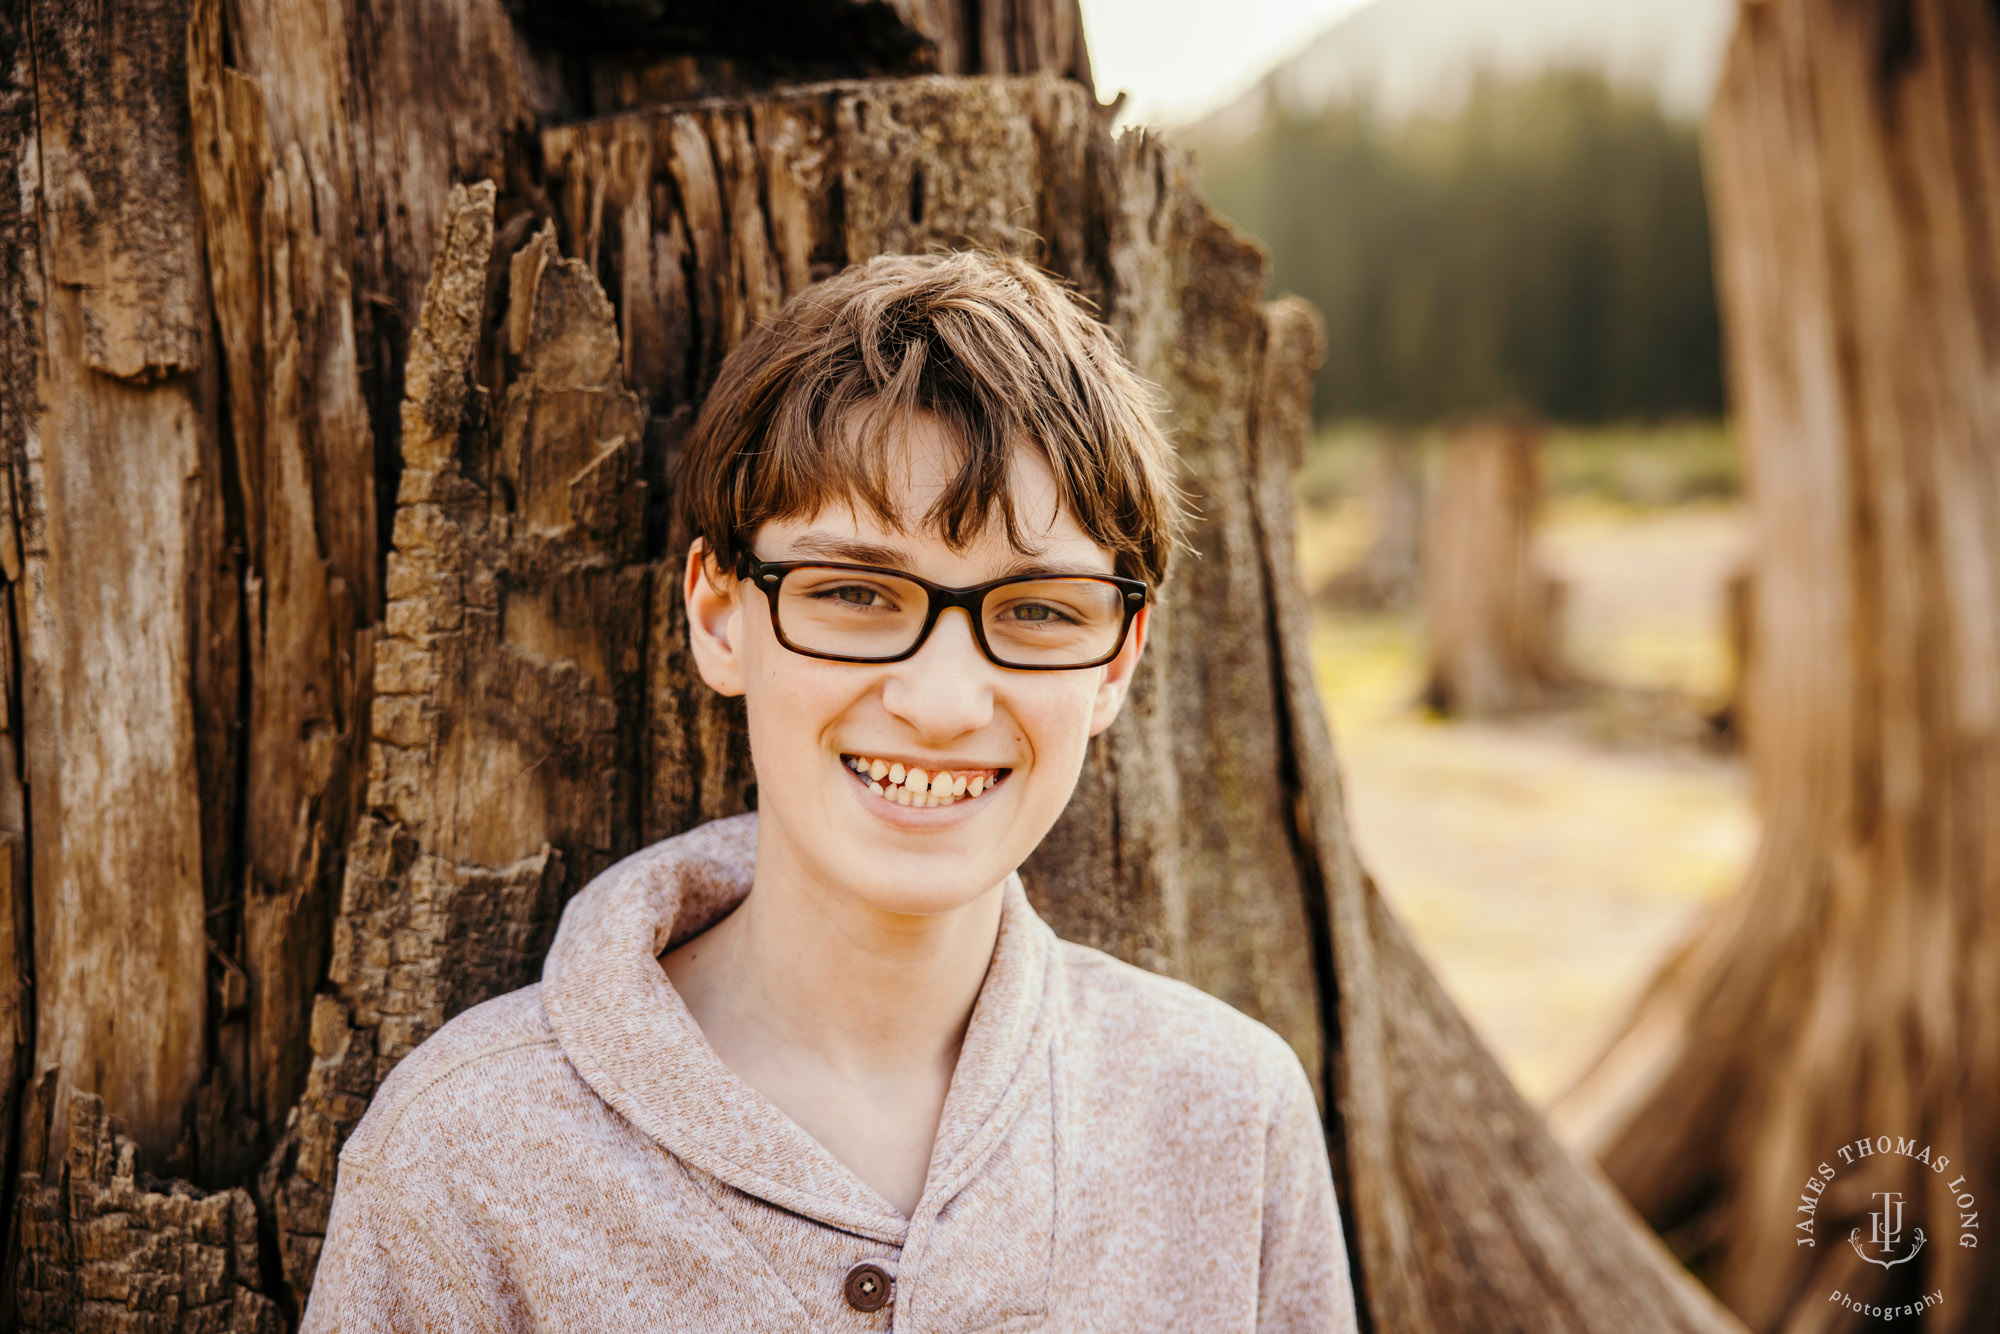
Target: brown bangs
(807, 410)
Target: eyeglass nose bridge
(971, 601)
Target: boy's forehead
(922, 455)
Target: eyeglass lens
(1028, 622)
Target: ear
(715, 621)
(1111, 691)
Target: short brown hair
(998, 352)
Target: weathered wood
(1847, 991)
(635, 53)
(903, 36)
(390, 105)
(1490, 611)
(1182, 806)
(113, 1250)
(324, 193)
(19, 348)
(303, 454)
(119, 518)
(503, 764)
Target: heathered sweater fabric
(1118, 1152)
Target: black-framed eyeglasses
(868, 613)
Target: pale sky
(1181, 58)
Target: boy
(822, 1067)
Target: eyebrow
(829, 547)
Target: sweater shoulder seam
(372, 1152)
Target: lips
(913, 785)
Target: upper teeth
(919, 787)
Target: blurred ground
(1547, 865)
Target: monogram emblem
(1885, 1233)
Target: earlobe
(715, 621)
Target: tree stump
(1389, 574)
(1847, 991)
(1491, 614)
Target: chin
(919, 882)
(921, 903)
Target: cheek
(1057, 719)
(791, 702)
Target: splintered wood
(502, 761)
(108, 1248)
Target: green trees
(1543, 248)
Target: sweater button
(867, 1287)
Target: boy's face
(947, 707)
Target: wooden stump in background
(1389, 574)
(1848, 990)
(1491, 614)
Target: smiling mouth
(907, 786)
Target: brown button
(867, 1287)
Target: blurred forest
(1543, 246)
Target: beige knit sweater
(1117, 1152)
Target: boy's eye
(1035, 611)
(857, 596)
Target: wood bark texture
(124, 637)
(1847, 992)
(338, 426)
(108, 1247)
(1491, 613)
(621, 54)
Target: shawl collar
(629, 1035)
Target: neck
(801, 967)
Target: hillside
(1407, 56)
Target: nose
(945, 689)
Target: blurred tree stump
(1847, 992)
(1491, 614)
(347, 352)
(1388, 576)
